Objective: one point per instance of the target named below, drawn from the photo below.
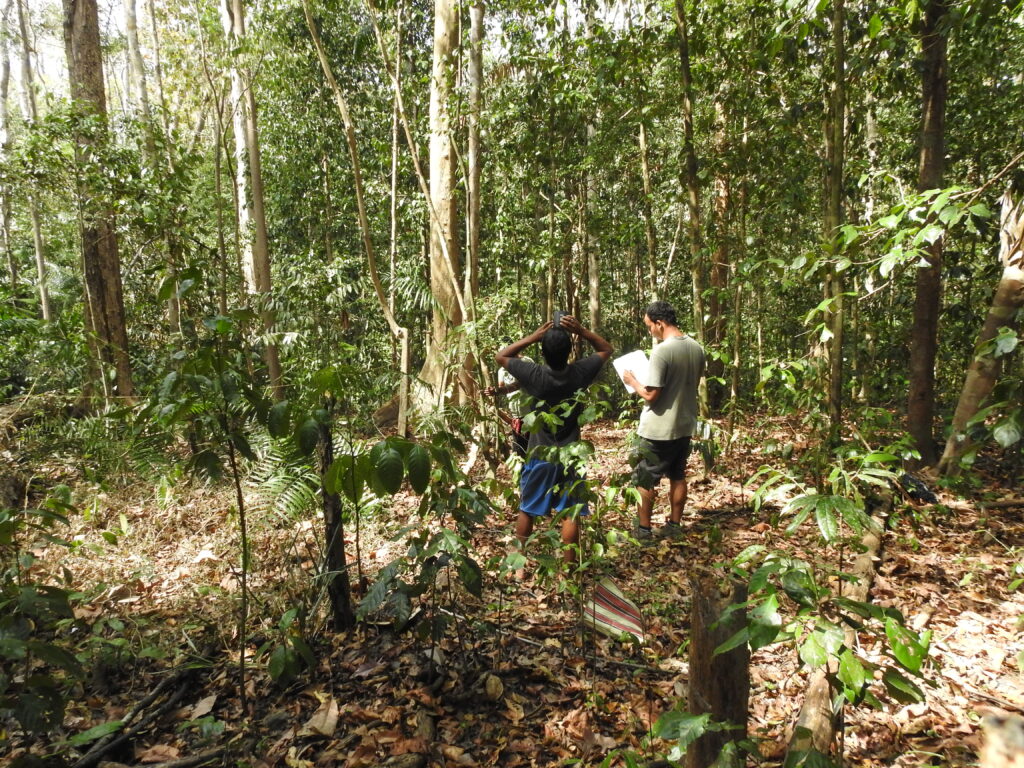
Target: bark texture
(719, 685)
(928, 296)
(105, 321)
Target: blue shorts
(544, 486)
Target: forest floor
(170, 587)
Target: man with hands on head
(545, 484)
(669, 416)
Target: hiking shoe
(642, 534)
(669, 530)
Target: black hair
(662, 310)
(555, 346)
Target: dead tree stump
(719, 685)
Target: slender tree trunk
(476, 75)
(31, 114)
(986, 364)
(690, 179)
(104, 298)
(928, 297)
(258, 279)
(835, 143)
(339, 590)
(589, 193)
(5, 147)
(137, 71)
(716, 326)
(649, 233)
(395, 118)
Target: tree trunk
(715, 330)
(247, 144)
(835, 141)
(928, 297)
(649, 233)
(589, 194)
(476, 75)
(5, 147)
(690, 178)
(985, 367)
(31, 114)
(102, 266)
(444, 240)
(719, 684)
(137, 71)
(339, 589)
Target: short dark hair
(555, 346)
(662, 310)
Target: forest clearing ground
(172, 580)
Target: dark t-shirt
(549, 389)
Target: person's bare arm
(601, 346)
(516, 347)
(649, 394)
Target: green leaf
(812, 650)
(800, 587)
(1006, 434)
(54, 656)
(417, 463)
(765, 623)
(279, 419)
(96, 732)
(874, 26)
(307, 435)
(284, 665)
(852, 674)
(980, 210)
(738, 639)
(901, 688)
(207, 463)
(681, 727)
(906, 647)
(389, 470)
(825, 516)
(471, 576)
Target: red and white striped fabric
(612, 613)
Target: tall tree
(104, 304)
(835, 158)
(987, 362)
(690, 178)
(444, 241)
(5, 146)
(256, 263)
(928, 296)
(31, 114)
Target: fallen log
(817, 722)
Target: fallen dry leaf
(203, 707)
(323, 722)
(159, 753)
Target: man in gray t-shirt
(669, 416)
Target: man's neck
(672, 332)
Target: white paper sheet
(635, 361)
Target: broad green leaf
(825, 515)
(812, 651)
(417, 463)
(279, 419)
(901, 688)
(852, 674)
(681, 727)
(307, 435)
(1006, 434)
(905, 645)
(207, 463)
(55, 656)
(738, 639)
(765, 623)
(96, 732)
(389, 470)
(874, 26)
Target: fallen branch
(114, 740)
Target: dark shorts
(656, 459)
(544, 486)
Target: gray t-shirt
(677, 365)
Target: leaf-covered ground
(514, 682)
